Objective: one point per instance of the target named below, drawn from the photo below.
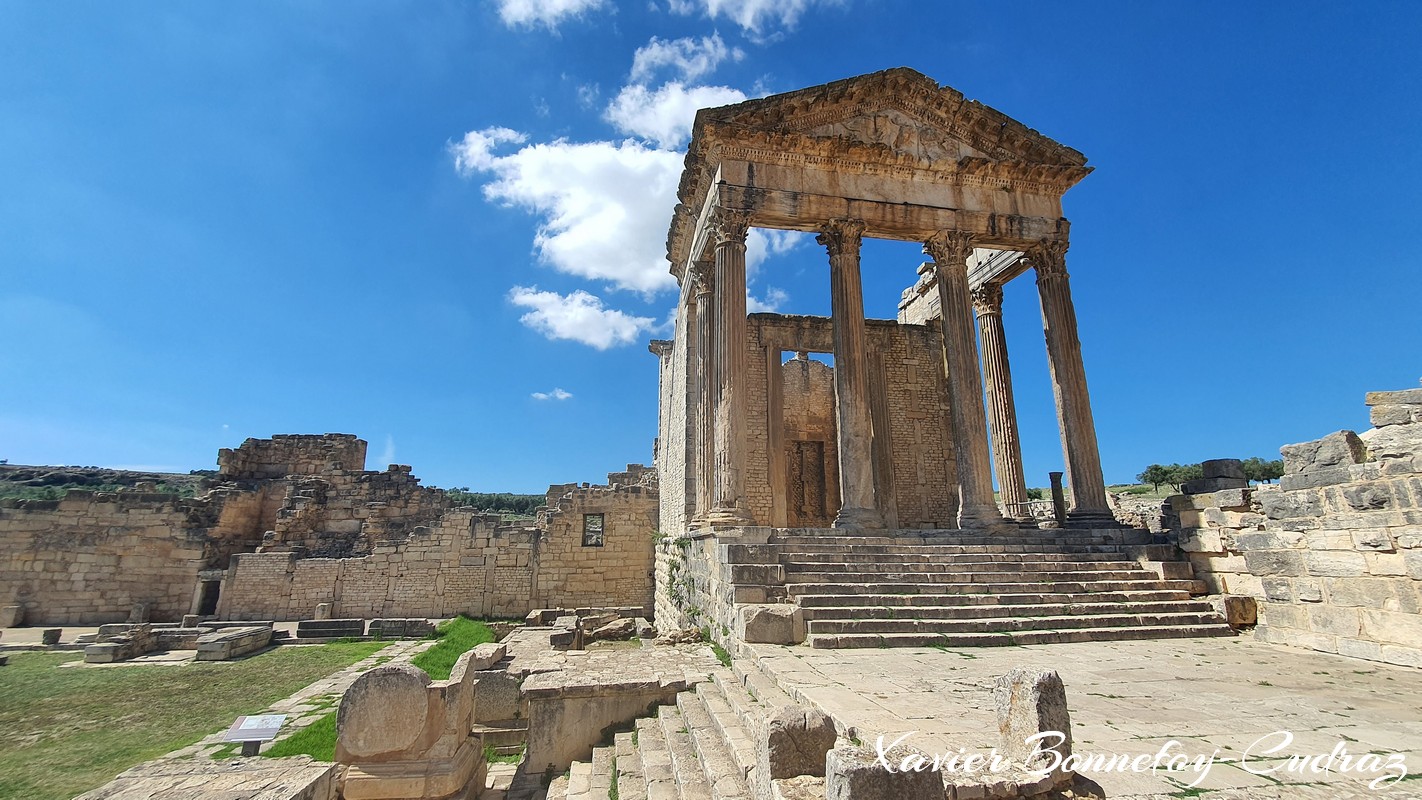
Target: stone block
(1360, 592)
(1208, 485)
(1201, 540)
(777, 623)
(1395, 441)
(1382, 416)
(1308, 590)
(1280, 504)
(1391, 627)
(855, 773)
(1334, 621)
(617, 630)
(1233, 498)
(1368, 497)
(12, 616)
(1029, 701)
(50, 636)
(191, 620)
(138, 613)
(383, 712)
(329, 628)
(1373, 539)
(1335, 564)
(1336, 449)
(417, 628)
(1275, 562)
(323, 611)
(1317, 478)
(1237, 610)
(228, 643)
(1398, 397)
(486, 655)
(794, 742)
(496, 696)
(1222, 468)
(1279, 590)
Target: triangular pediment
(899, 109)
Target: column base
(727, 517)
(980, 518)
(853, 519)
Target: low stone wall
(1333, 553)
(231, 643)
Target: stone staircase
(702, 748)
(965, 589)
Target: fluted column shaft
(1083, 458)
(977, 507)
(729, 338)
(1001, 408)
(705, 389)
(854, 425)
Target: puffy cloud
(774, 298)
(556, 394)
(690, 57)
(665, 115)
(578, 317)
(604, 205)
(764, 243)
(754, 16)
(548, 13)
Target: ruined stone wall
(87, 559)
(569, 574)
(919, 303)
(342, 514)
(292, 454)
(1333, 553)
(467, 562)
(675, 429)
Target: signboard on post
(252, 731)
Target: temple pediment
(901, 110)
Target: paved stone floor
(1132, 698)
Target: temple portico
(923, 412)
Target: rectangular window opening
(592, 530)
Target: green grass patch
(317, 740)
(492, 756)
(456, 637)
(64, 731)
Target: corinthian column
(1083, 459)
(1002, 411)
(950, 251)
(851, 378)
(729, 346)
(705, 389)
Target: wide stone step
(1012, 575)
(691, 781)
(849, 640)
(1018, 539)
(631, 777)
(1147, 582)
(1007, 564)
(949, 558)
(1011, 624)
(985, 611)
(722, 772)
(579, 781)
(604, 760)
(942, 549)
(859, 601)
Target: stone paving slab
(1132, 698)
(297, 778)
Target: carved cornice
(1048, 257)
(842, 236)
(987, 299)
(700, 275)
(950, 249)
(730, 225)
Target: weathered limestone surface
(855, 773)
(230, 643)
(795, 743)
(779, 623)
(295, 778)
(405, 737)
(1333, 553)
(1031, 701)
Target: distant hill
(50, 483)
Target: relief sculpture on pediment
(900, 132)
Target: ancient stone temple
(894, 156)
(897, 436)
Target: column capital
(987, 299)
(1048, 257)
(950, 248)
(841, 236)
(700, 275)
(730, 225)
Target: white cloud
(690, 57)
(548, 13)
(754, 16)
(764, 243)
(774, 298)
(604, 205)
(579, 317)
(556, 394)
(665, 115)
(387, 455)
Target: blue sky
(439, 225)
